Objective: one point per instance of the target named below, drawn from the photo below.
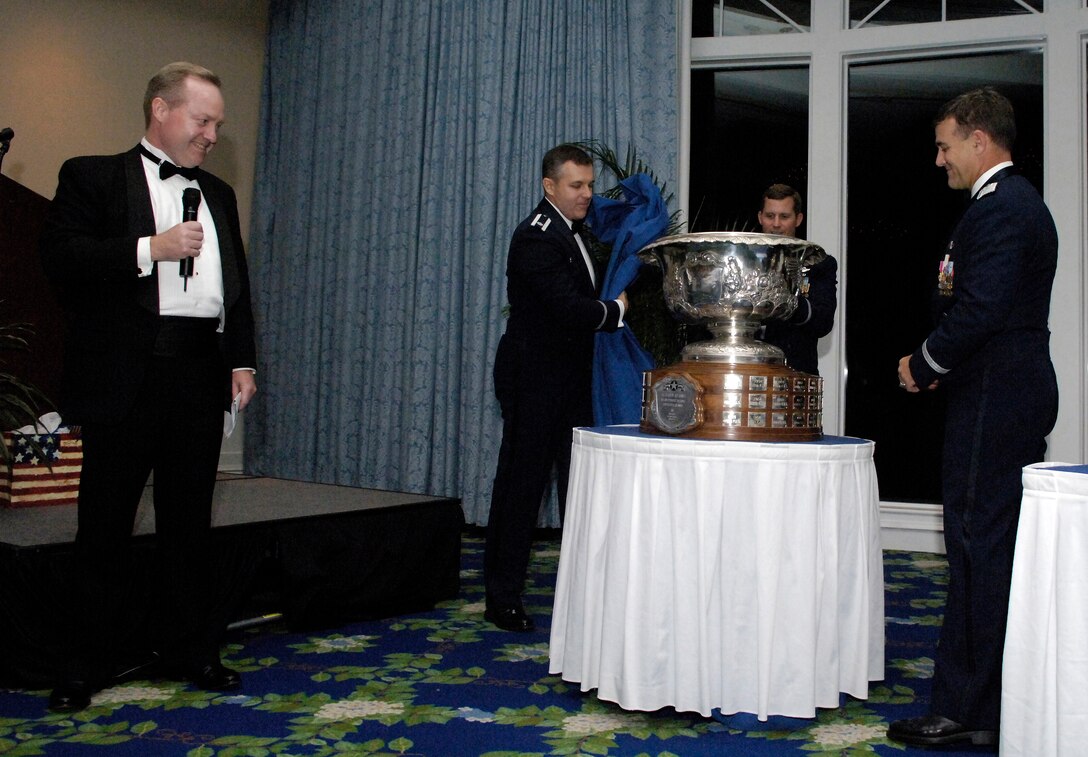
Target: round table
(700, 574)
(1044, 680)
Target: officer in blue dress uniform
(990, 354)
(543, 371)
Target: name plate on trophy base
(732, 401)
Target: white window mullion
(827, 169)
(1065, 132)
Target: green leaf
(146, 726)
(401, 745)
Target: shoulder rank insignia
(944, 276)
(543, 224)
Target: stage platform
(319, 554)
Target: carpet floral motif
(446, 683)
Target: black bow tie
(168, 169)
(577, 226)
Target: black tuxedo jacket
(88, 250)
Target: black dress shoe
(510, 619)
(935, 730)
(214, 677)
(71, 695)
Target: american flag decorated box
(50, 477)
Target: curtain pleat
(400, 146)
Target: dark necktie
(168, 169)
(577, 226)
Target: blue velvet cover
(618, 359)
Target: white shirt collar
(155, 150)
(581, 248)
(570, 224)
(981, 180)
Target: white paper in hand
(230, 418)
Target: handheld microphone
(190, 201)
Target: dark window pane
(926, 11)
(703, 18)
(966, 9)
(906, 12)
(749, 129)
(900, 212)
(798, 11)
(743, 17)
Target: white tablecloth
(739, 575)
(1044, 683)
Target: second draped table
(1044, 682)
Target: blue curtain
(400, 144)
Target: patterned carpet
(446, 683)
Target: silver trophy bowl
(732, 282)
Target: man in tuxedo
(543, 371)
(990, 354)
(152, 360)
(797, 336)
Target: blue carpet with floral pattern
(446, 683)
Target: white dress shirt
(201, 296)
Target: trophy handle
(650, 258)
(814, 254)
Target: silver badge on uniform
(537, 222)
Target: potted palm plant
(20, 401)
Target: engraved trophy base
(732, 386)
(745, 401)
